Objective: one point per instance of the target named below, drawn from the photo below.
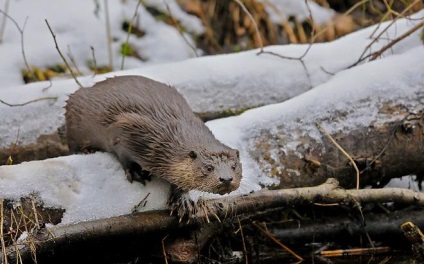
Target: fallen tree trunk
(161, 223)
(391, 150)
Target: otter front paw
(135, 173)
(181, 205)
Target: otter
(151, 130)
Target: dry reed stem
(129, 32)
(4, 20)
(3, 244)
(29, 241)
(108, 35)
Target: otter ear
(193, 154)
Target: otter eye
(233, 167)
(209, 168)
(193, 154)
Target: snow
(280, 10)
(355, 86)
(78, 25)
(87, 186)
(94, 186)
(209, 83)
(191, 23)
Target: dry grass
(23, 219)
(229, 29)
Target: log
(160, 223)
(210, 88)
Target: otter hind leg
(84, 148)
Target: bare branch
(157, 221)
(254, 24)
(180, 30)
(396, 40)
(61, 55)
(74, 63)
(300, 58)
(21, 31)
(361, 58)
(29, 102)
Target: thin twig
(50, 85)
(21, 31)
(242, 240)
(258, 33)
(3, 21)
(61, 55)
(300, 58)
(108, 35)
(361, 58)
(164, 250)
(28, 102)
(129, 32)
(396, 40)
(270, 236)
(392, 135)
(343, 151)
(311, 41)
(72, 58)
(34, 209)
(179, 29)
(94, 60)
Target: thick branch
(329, 192)
(141, 224)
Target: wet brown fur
(149, 123)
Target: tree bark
(391, 149)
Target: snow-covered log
(210, 84)
(375, 112)
(376, 116)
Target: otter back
(151, 129)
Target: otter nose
(226, 181)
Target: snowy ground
(94, 186)
(80, 24)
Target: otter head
(214, 172)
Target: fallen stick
(139, 224)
